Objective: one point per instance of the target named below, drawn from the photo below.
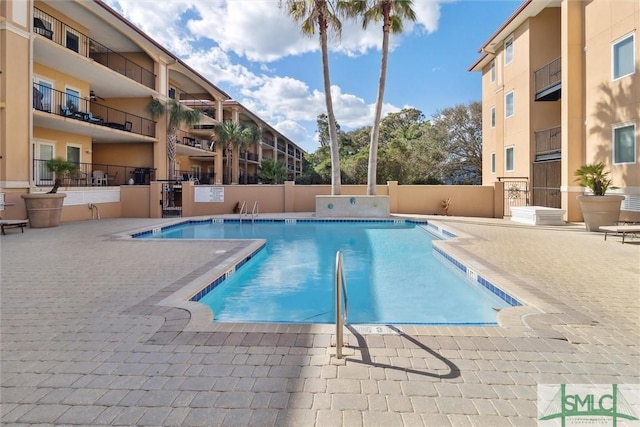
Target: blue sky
(251, 50)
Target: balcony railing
(72, 106)
(282, 148)
(186, 138)
(548, 144)
(548, 77)
(198, 178)
(94, 174)
(204, 105)
(65, 35)
(269, 142)
(252, 157)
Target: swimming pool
(391, 273)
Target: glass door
(44, 153)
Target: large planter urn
(43, 209)
(599, 211)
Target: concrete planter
(599, 211)
(352, 206)
(43, 209)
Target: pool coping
(510, 320)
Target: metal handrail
(254, 211)
(243, 209)
(341, 297)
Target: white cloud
(210, 34)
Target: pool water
(391, 273)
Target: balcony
(89, 118)
(206, 106)
(548, 144)
(548, 81)
(269, 141)
(80, 54)
(94, 175)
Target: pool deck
(92, 332)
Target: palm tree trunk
(172, 140)
(229, 150)
(375, 132)
(333, 133)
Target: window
(42, 25)
(623, 57)
(493, 117)
(73, 154)
(508, 156)
(508, 101)
(508, 50)
(72, 100)
(492, 73)
(624, 144)
(172, 93)
(73, 41)
(42, 92)
(493, 162)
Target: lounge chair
(620, 229)
(12, 223)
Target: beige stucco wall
(610, 102)
(15, 87)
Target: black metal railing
(94, 174)
(252, 157)
(269, 141)
(204, 105)
(185, 138)
(248, 179)
(548, 76)
(282, 148)
(67, 36)
(198, 178)
(72, 106)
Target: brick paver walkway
(87, 337)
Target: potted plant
(44, 209)
(598, 209)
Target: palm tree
(272, 172)
(391, 13)
(232, 135)
(252, 135)
(321, 13)
(178, 116)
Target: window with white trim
(73, 154)
(623, 57)
(508, 50)
(493, 116)
(508, 104)
(492, 72)
(624, 143)
(508, 159)
(493, 162)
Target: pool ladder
(254, 212)
(341, 299)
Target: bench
(12, 223)
(620, 229)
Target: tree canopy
(412, 150)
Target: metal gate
(516, 193)
(171, 199)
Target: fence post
(498, 199)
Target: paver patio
(86, 340)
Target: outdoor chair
(99, 178)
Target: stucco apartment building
(561, 88)
(75, 82)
